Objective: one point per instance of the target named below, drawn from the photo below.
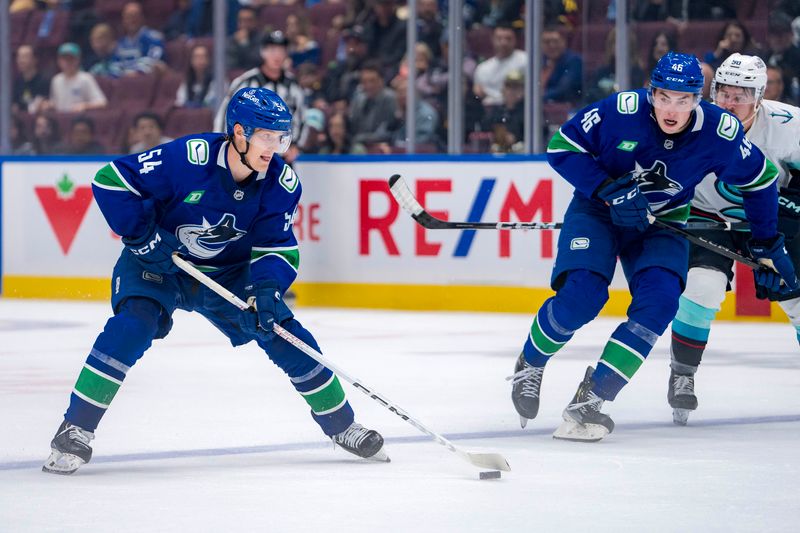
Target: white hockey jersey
(776, 131)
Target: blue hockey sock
(622, 356)
(323, 392)
(546, 337)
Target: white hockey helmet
(742, 71)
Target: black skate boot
(681, 397)
(525, 386)
(363, 442)
(70, 449)
(583, 420)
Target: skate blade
(62, 463)
(523, 421)
(380, 456)
(680, 416)
(571, 430)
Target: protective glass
(674, 101)
(276, 141)
(731, 95)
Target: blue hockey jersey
(619, 134)
(185, 187)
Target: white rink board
(342, 236)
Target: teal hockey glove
(269, 309)
(629, 207)
(772, 254)
(154, 250)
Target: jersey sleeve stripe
(678, 214)
(124, 182)
(766, 177)
(289, 254)
(562, 143)
(107, 179)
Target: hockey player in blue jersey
(226, 203)
(632, 156)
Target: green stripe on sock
(327, 397)
(540, 340)
(621, 358)
(96, 387)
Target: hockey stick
(493, 461)
(409, 203)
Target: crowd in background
(112, 76)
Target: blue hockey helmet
(259, 108)
(678, 72)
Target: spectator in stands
(429, 25)
(103, 61)
(427, 122)
(177, 24)
(662, 42)
(385, 35)
(302, 47)
(558, 13)
(45, 135)
(243, 49)
(708, 76)
(343, 77)
(653, 10)
(148, 131)
(18, 139)
(273, 76)
(783, 53)
(197, 90)
(31, 87)
(17, 6)
(310, 80)
(73, 90)
(604, 80)
(562, 69)
(338, 139)
(140, 49)
(506, 122)
(81, 140)
(775, 88)
(373, 107)
(734, 37)
(489, 74)
(503, 12)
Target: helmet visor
(276, 141)
(666, 100)
(732, 95)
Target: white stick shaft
(483, 460)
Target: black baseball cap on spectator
(779, 22)
(354, 32)
(276, 37)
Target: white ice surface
(204, 437)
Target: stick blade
(488, 461)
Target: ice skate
(525, 386)
(681, 397)
(70, 449)
(583, 420)
(363, 442)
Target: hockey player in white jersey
(774, 127)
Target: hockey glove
(629, 207)
(777, 264)
(269, 309)
(789, 212)
(154, 250)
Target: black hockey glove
(789, 212)
(154, 250)
(777, 264)
(269, 309)
(628, 205)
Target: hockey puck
(490, 474)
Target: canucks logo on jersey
(656, 186)
(206, 241)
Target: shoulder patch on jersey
(288, 179)
(197, 151)
(627, 103)
(728, 126)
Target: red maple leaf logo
(65, 206)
